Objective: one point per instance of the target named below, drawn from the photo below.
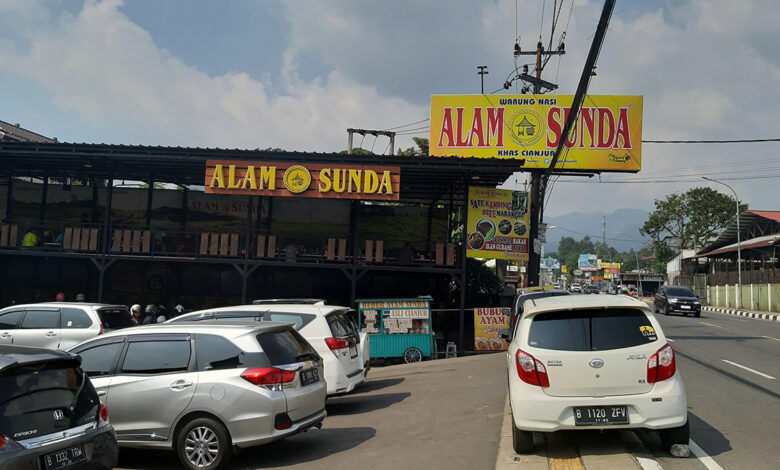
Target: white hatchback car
(326, 327)
(593, 362)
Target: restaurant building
(206, 227)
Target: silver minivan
(60, 325)
(203, 389)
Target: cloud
(109, 71)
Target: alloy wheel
(201, 447)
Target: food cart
(398, 327)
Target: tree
(688, 220)
(422, 149)
(482, 284)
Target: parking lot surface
(443, 414)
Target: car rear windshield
(116, 318)
(591, 330)
(41, 399)
(214, 352)
(286, 347)
(680, 291)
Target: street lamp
(739, 248)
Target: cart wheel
(412, 355)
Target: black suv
(50, 415)
(670, 299)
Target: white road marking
(705, 459)
(648, 464)
(749, 369)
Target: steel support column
(44, 197)
(463, 259)
(9, 194)
(149, 196)
(104, 262)
(247, 247)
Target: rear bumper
(533, 410)
(339, 382)
(99, 446)
(300, 425)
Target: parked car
(527, 294)
(60, 325)
(203, 389)
(591, 289)
(326, 327)
(593, 362)
(575, 287)
(50, 415)
(682, 299)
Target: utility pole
(534, 257)
(482, 72)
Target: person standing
(30, 239)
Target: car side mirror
(504, 333)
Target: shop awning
(754, 243)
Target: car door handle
(6, 335)
(50, 334)
(180, 384)
(101, 393)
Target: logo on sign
(297, 179)
(526, 126)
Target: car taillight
(661, 365)
(2, 441)
(269, 377)
(103, 414)
(102, 329)
(336, 343)
(531, 370)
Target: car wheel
(412, 355)
(666, 309)
(203, 444)
(697, 314)
(672, 436)
(522, 441)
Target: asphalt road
(443, 414)
(735, 413)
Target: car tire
(672, 436)
(412, 355)
(697, 314)
(666, 309)
(203, 444)
(522, 441)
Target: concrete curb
(741, 313)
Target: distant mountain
(622, 227)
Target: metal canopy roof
(423, 179)
(747, 220)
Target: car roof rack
(317, 302)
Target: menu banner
(498, 223)
(487, 323)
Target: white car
(575, 288)
(593, 362)
(326, 327)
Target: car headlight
(697, 302)
(674, 301)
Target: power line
(697, 180)
(736, 141)
(407, 125)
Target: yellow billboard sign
(607, 135)
(498, 223)
(487, 323)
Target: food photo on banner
(487, 323)
(497, 225)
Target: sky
(296, 74)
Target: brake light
(336, 343)
(268, 377)
(103, 414)
(531, 370)
(661, 365)
(2, 441)
(282, 421)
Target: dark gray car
(50, 415)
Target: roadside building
(759, 235)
